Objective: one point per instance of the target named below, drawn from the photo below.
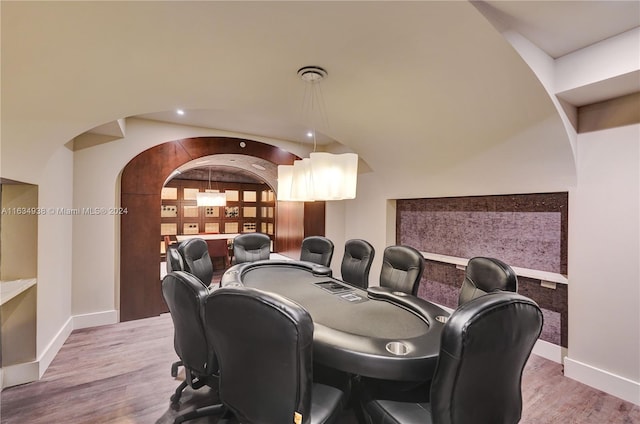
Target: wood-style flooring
(121, 374)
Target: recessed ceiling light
(180, 111)
(260, 167)
(309, 134)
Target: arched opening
(246, 182)
(141, 185)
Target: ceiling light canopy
(321, 176)
(312, 73)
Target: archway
(141, 184)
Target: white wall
(620, 53)
(604, 270)
(54, 255)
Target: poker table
(375, 333)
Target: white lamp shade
(211, 199)
(302, 181)
(334, 176)
(285, 179)
(323, 176)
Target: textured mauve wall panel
(528, 231)
(525, 230)
(551, 330)
(525, 239)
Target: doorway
(141, 185)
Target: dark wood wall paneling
(141, 184)
(290, 220)
(314, 219)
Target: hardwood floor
(120, 374)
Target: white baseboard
(27, 372)
(615, 385)
(95, 319)
(14, 375)
(53, 347)
(550, 351)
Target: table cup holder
(397, 348)
(441, 318)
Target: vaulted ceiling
(433, 80)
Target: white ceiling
(418, 85)
(562, 27)
(556, 27)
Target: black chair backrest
(484, 347)
(402, 268)
(174, 260)
(264, 347)
(251, 247)
(356, 262)
(317, 249)
(186, 295)
(195, 253)
(484, 275)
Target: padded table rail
(375, 333)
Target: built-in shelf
(543, 276)
(11, 289)
(182, 237)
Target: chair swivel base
(202, 412)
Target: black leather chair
(186, 295)
(264, 345)
(174, 260)
(484, 347)
(402, 268)
(251, 247)
(195, 254)
(356, 262)
(317, 249)
(174, 263)
(485, 275)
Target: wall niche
(18, 269)
(527, 231)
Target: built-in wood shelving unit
(250, 208)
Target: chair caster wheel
(174, 368)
